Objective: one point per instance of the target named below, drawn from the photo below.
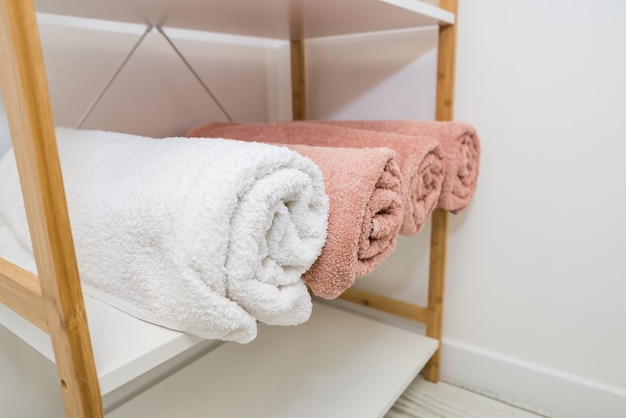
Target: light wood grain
(298, 80)
(436, 284)
(25, 91)
(446, 61)
(439, 233)
(382, 303)
(20, 290)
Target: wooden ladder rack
(53, 301)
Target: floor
(423, 399)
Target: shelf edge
(443, 16)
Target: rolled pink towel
(421, 162)
(364, 188)
(460, 146)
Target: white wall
(536, 267)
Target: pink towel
(421, 162)
(364, 188)
(460, 146)
(365, 214)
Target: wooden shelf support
(20, 291)
(439, 232)
(298, 80)
(386, 304)
(25, 91)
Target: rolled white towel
(200, 236)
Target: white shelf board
(338, 364)
(124, 346)
(278, 19)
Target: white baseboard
(545, 390)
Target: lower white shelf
(338, 364)
(124, 347)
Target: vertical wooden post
(446, 57)
(298, 81)
(439, 233)
(436, 284)
(25, 91)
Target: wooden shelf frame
(25, 90)
(432, 314)
(54, 301)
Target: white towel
(202, 236)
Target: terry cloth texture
(204, 237)
(365, 189)
(421, 162)
(460, 146)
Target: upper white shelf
(278, 19)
